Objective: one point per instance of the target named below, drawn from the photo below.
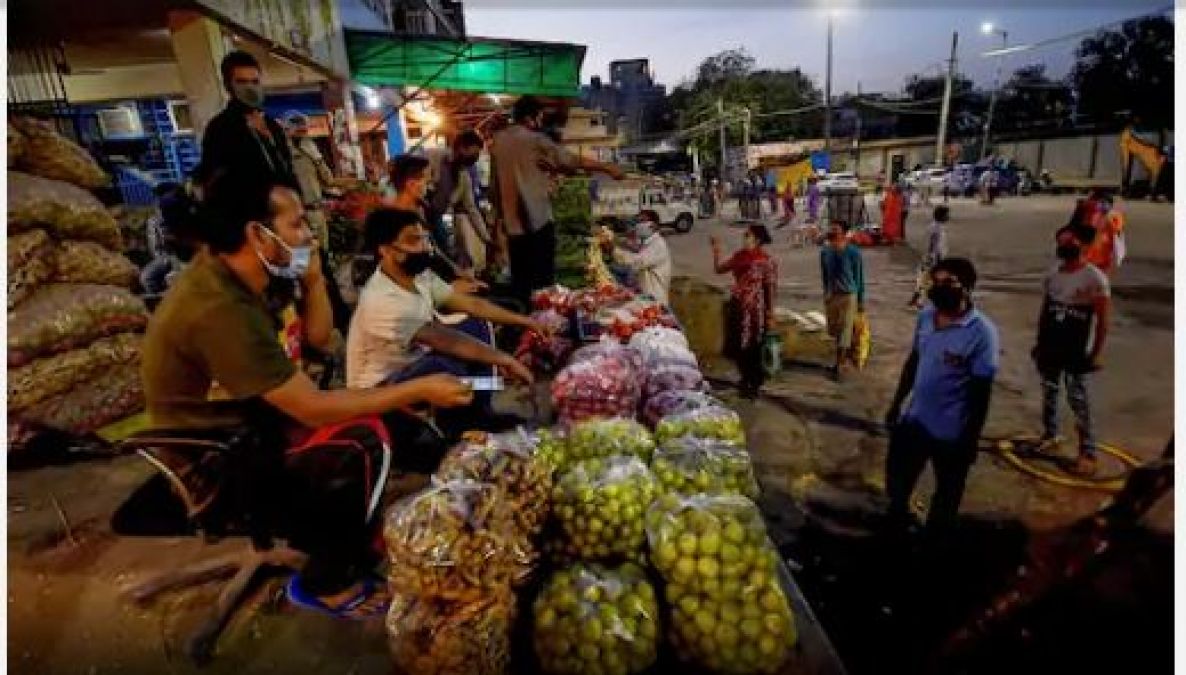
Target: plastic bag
(658, 343)
(594, 618)
(432, 636)
(673, 402)
(451, 540)
(545, 353)
(85, 262)
(672, 376)
(606, 437)
(691, 465)
(60, 317)
(862, 340)
(610, 348)
(51, 155)
(53, 375)
(30, 264)
(508, 462)
(729, 610)
(556, 298)
(66, 210)
(599, 504)
(111, 395)
(719, 423)
(604, 386)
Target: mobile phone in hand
(485, 383)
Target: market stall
(623, 539)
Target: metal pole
(745, 137)
(856, 143)
(828, 92)
(941, 137)
(992, 100)
(721, 122)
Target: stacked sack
(73, 322)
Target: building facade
(631, 98)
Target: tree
(1127, 73)
(925, 92)
(1031, 100)
(730, 78)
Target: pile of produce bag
(596, 384)
(73, 359)
(600, 503)
(593, 618)
(435, 636)
(675, 402)
(709, 422)
(690, 465)
(729, 613)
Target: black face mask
(946, 298)
(416, 263)
(1067, 252)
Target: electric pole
(988, 29)
(745, 137)
(828, 92)
(941, 136)
(856, 142)
(721, 122)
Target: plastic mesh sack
(691, 465)
(61, 317)
(673, 402)
(729, 612)
(597, 386)
(66, 210)
(451, 540)
(607, 437)
(85, 262)
(719, 423)
(113, 394)
(51, 155)
(30, 264)
(433, 636)
(53, 375)
(600, 503)
(664, 376)
(592, 618)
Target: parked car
(841, 180)
(618, 202)
(934, 179)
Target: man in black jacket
(242, 137)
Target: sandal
(354, 608)
(1083, 467)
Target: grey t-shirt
(1067, 326)
(522, 161)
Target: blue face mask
(298, 259)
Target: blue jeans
(455, 420)
(1078, 397)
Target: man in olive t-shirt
(213, 326)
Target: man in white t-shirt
(395, 333)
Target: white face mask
(298, 259)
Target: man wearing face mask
(211, 360)
(395, 333)
(451, 191)
(948, 378)
(650, 261)
(242, 138)
(1072, 329)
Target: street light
(988, 28)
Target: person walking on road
(842, 273)
(936, 251)
(1072, 329)
(948, 377)
(813, 199)
(751, 307)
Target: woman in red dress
(751, 306)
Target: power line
(1071, 36)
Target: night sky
(877, 42)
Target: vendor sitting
(214, 326)
(645, 255)
(396, 334)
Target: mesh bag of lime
(594, 618)
(689, 465)
(599, 505)
(607, 437)
(453, 540)
(729, 612)
(707, 422)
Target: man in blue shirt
(842, 273)
(949, 379)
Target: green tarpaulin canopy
(472, 64)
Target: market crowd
(257, 300)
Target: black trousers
(749, 366)
(533, 261)
(910, 448)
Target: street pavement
(838, 434)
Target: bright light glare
(371, 98)
(987, 27)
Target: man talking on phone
(395, 334)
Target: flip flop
(299, 597)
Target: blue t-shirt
(947, 360)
